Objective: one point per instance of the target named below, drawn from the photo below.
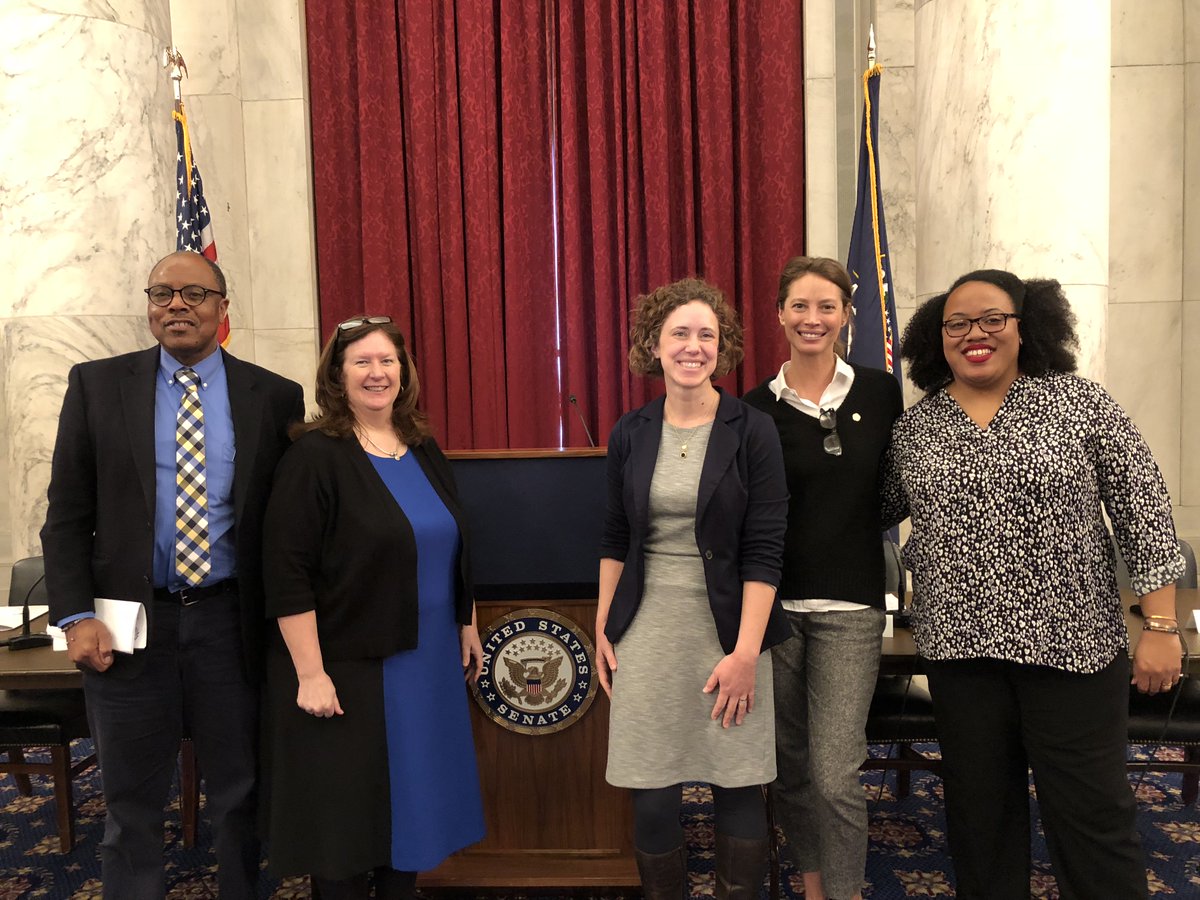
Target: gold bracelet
(1164, 618)
(1163, 629)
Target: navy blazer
(741, 513)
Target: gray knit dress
(660, 731)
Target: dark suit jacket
(98, 540)
(336, 541)
(741, 513)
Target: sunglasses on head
(351, 324)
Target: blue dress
(393, 781)
(434, 783)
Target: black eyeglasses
(351, 324)
(991, 323)
(832, 443)
(192, 294)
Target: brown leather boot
(664, 875)
(741, 867)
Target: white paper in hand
(126, 621)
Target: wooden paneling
(552, 819)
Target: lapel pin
(856, 417)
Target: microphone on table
(25, 640)
(575, 404)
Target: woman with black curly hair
(1004, 468)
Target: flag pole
(871, 46)
(193, 220)
(173, 60)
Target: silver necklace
(394, 454)
(683, 444)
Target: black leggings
(740, 812)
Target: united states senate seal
(539, 673)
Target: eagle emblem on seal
(538, 672)
(534, 679)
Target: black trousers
(998, 719)
(193, 674)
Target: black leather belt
(189, 595)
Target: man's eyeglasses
(991, 323)
(832, 443)
(351, 324)
(192, 294)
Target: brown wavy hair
(334, 416)
(651, 312)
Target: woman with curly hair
(834, 421)
(697, 505)
(1005, 468)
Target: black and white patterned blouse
(1009, 552)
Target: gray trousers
(824, 678)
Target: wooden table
(899, 650)
(48, 669)
(39, 669)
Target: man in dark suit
(161, 473)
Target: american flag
(193, 223)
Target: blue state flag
(873, 341)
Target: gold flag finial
(173, 60)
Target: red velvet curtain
(662, 136)
(433, 188)
(681, 135)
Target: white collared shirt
(831, 398)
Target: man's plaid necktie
(192, 553)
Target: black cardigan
(336, 541)
(833, 548)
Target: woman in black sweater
(369, 763)
(834, 422)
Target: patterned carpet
(907, 857)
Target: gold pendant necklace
(683, 444)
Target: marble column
(87, 170)
(1012, 148)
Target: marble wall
(87, 163)
(87, 169)
(1148, 367)
(1153, 124)
(247, 103)
(87, 172)
(1188, 515)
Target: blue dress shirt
(219, 452)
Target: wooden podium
(552, 820)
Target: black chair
(37, 719)
(1148, 715)
(901, 711)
